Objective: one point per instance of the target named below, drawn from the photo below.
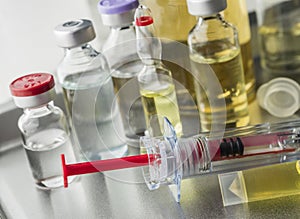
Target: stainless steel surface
(118, 194)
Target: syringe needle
(103, 165)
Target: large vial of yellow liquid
(260, 183)
(217, 68)
(236, 13)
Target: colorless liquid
(95, 116)
(43, 150)
(130, 104)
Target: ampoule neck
(41, 110)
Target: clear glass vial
(217, 66)
(44, 129)
(121, 54)
(88, 92)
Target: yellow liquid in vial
(236, 13)
(247, 60)
(227, 67)
(271, 181)
(159, 100)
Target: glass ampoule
(246, 147)
(88, 92)
(172, 25)
(121, 54)
(155, 80)
(44, 128)
(216, 58)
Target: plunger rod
(103, 165)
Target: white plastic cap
(205, 7)
(280, 97)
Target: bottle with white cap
(88, 92)
(215, 54)
(121, 53)
(44, 128)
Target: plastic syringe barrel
(244, 148)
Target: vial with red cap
(44, 129)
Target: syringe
(169, 159)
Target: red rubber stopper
(32, 84)
(144, 21)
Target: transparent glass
(45, 134)
(215, 52)
(120, 51)
(235, 149)
(279, 35)
(173, 23)
(236, 13)
(90, 101)
(155, 80)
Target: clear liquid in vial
(43, 151)
(130, 104)
(95, 116)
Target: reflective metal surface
(118, 194)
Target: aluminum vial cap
(205, 7)
(33, 90)
(74, 33)
(117, 12)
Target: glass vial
(155, 80)
(236, 13)
(88, 92)
(44, 128)
(120, 51)
(173, 23)
(216, 58)
(279, 35)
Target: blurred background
(26, 35)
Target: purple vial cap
(116, 6)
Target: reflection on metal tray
(119, 194)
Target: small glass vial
(88, 92)
(44, 129)
(217, 67)
(120, 51)
(155, 80)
